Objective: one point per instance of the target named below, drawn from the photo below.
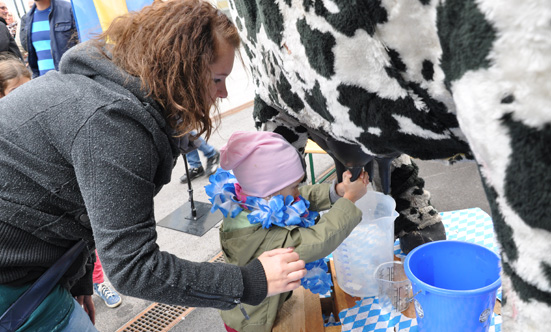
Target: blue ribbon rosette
(278, 210)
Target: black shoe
(212, 163)
(193, 173)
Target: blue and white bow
(278, 210)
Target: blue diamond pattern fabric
(471, 225)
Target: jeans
(79, 321)
(193, 157)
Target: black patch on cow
(509, 99)
(396, 60)
(318, 47)
(248, 51)
(395, 74)
(318, 103)
(439, 120)
(287, 133)
(353, 15)
(247, 10)
(300, 78)
(504, 232)
(288, 2)
(266, 13)
(262, 112)
(465, 36)
(307, 4)
(428, 70)
(546, 271)
(239, 24)
(424, 2)
(369, 110)
(526, 292)
(417, 192)
(272, 95)
(529, 195)
(292, 100)
(272, 19)
(301, 129)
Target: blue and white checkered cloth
(471, 225)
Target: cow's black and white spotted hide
(348, 69)
(378, 73)
(500, 76)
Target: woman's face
(220, 70)
(13, 83)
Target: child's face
(13, 83)
(291, 189)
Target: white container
(370, 244)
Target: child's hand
(353, 191)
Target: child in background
(13, 73)
(265, 209)
(111, 298)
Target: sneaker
(193, 173)
(109, 296)
(212, 163)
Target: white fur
(521, 66)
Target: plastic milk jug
(370, 244)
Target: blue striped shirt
(40, 36)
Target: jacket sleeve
(116, 160)
(327, 234)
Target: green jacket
(242, 245)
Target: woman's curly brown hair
(169, 45)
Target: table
(471, 225)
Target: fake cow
(456, 79)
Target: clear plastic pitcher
(370, 244)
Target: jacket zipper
(236, 300)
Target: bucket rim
(450, 292)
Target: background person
(13, 73)
(7, 43)
(110, 296)
(196, 167)
(48, 30)
(84, 157)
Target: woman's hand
(283, 270)
(353, 190)
(88, 305)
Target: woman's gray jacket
(82, 154)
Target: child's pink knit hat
(263, 162)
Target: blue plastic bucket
(454, 285)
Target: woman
(84, 151)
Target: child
(13, 73)
(265, 209)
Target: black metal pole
(190, 190)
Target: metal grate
(160, 317)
